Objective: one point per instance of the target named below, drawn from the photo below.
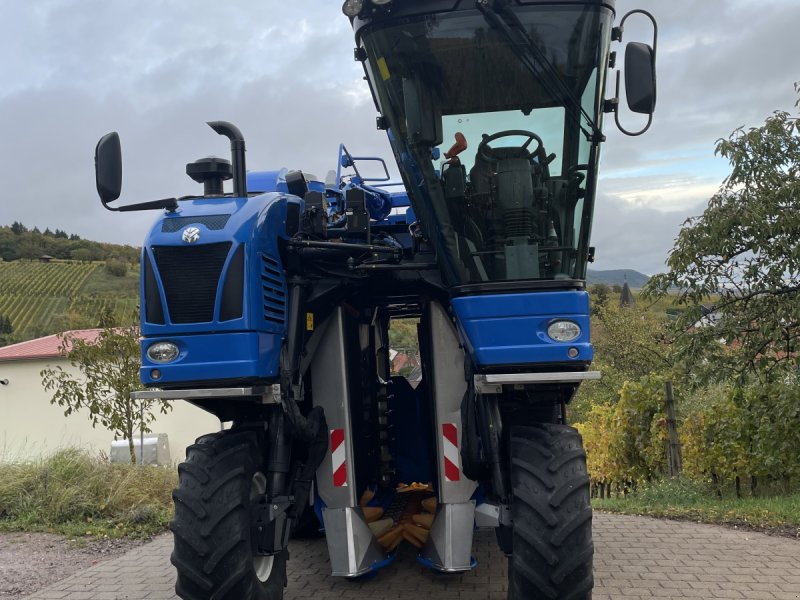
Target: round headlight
(564, 331)
(163, 352)
(351, 8)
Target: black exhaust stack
(232, 132)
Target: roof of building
(45, 347)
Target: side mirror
(423, 114)
(640, 78)
(108, 167)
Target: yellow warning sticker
(384, 68)
(309, 321)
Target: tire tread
(551, 514)
(212, 553)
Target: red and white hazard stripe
(452, 472)
(338, 458)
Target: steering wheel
(489, 154)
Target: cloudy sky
(283, 72)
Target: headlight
(163, 352)
(381, 2)
(351, 8)
(564, 331)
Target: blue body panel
(511, 329)
(244, 347)
(216, 357)
(267, 181)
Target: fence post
(674, 449)
(141, 434)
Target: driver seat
(483, 170)
(512, 172)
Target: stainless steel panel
(449, 547)
(331, 392)
(487, 515)
(492, 384)
(448, 386)
(351, 546)
(270, 394)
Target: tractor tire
(551, 514)
(212, 553)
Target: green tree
(116, 267)
(745, 250)
(81, 254)
(629, 344)
(109, 372)
(598, 295)
(18, 228)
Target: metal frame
(269, 394)
(493, 384)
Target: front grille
(274, 290)
(212, 222)
(190, 275)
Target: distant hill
(17, 241)
(42, 298)
(617, 277)
(52, 281)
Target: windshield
(498, 157)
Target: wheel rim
(262, 565)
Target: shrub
(116, 268)
(73, 487)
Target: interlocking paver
(635, 557)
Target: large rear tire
(551, 514)
(222, 474)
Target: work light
(351, 8)
(563, 331)
(163, 352)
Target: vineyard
(45, 298)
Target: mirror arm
(615, 110)
(640, 11)
(170, 204)
(613, 105)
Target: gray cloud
(283, 72)
(636, 237)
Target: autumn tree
(109, 372)
(629, 344)
(743, 252)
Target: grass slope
(77, 494)
(777, 513)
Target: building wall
(30, 426)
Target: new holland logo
(191, 235)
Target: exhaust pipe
(232, 132)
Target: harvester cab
(271, 305)
(517, 89)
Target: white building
(30, 426)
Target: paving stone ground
(635, 557)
